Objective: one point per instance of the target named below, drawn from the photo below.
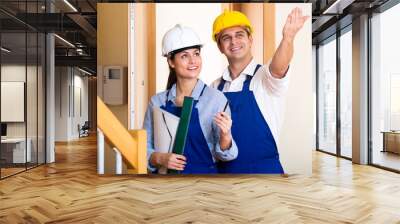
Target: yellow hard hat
(230, 19)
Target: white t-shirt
(268, 91)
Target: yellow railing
(131, 144)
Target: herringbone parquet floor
(70, 191)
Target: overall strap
(255, 71)
(202, 91)
(221, 84)
(248, 78)
(166, 98)
(246, 84)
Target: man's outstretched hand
(283, 55)
(294, 23)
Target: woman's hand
(224, 122)
(168, 160)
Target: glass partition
(22, 88)
(13, 103)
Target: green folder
(183, 127)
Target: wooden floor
(5, 172)
(387, 159)
(70, 191)
(8, 171)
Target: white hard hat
(179, 37)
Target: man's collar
(248, 70)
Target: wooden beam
(230, 6)
(132, 145)
(269, 31)
(141, 140)
(151, 46)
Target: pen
(226, 105)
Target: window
(385, 89)
(346, 93)
(327, 97)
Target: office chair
(84, 130)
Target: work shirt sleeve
(149, 127)
(263, 81)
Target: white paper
(163, 141)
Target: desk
(391, 141)
(16, 148)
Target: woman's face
(187, 63)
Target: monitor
(3, 129)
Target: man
(255, 92)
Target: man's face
(235, 43)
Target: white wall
(296, 139)
(200, 17)
(61, 103)
(12, 73)
(80, 84)
(314, 89)
(33, 126)
(71, 87)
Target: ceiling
(329, 16)
(76, 22)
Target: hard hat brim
(182, 49)
(248, 29)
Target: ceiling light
(337, 7)
(70, 5)
(65, 41)
(86, 72)
(5, 50)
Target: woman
(209, 136)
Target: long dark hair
(172, 79)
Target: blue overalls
(258, 152)
(198, 156)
